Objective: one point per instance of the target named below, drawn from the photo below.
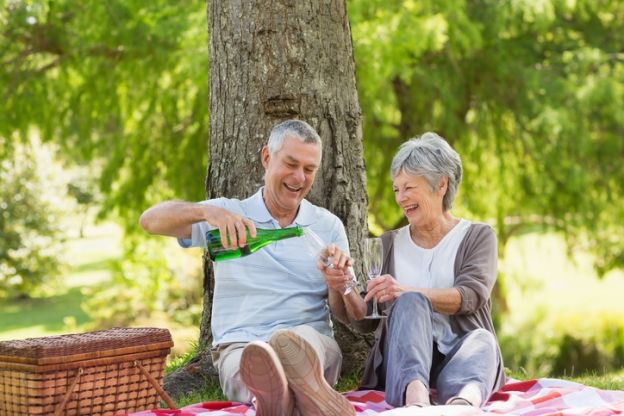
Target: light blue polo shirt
(279, 286)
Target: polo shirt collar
(306, 215)
(258, 212)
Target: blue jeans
(411, 354)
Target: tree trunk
(270, 62)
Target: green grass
(603, 381)
(90, 257)
(33, 317)
(211, 392)
(59, 310)
(611, 381)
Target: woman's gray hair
(298, 129)
(431, 157)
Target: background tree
(32, 201)
(529, 92)
(120, 86)
(270, 62)
(531, 95)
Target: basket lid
(60, 348)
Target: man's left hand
(334, 264)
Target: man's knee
(227, 363)
(234, 388)
(327, 350)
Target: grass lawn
(41, 316)
(59, 311)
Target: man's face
(289, 175)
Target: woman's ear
(443, 185)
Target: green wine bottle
(263, 237)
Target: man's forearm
(354, 305)
(172, 218)
(346, 307)
(337, 306)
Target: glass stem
(375, 312)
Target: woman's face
(419, 203)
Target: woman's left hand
(384, 288)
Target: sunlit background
(104, 111)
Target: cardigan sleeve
(475, 268)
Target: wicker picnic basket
(96, 373)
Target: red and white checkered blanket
(542, 397)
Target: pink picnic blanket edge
(538, 397)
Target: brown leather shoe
(313, 395)
(261, 371)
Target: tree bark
(271, 61)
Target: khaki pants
(226, 359)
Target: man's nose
(299, 175)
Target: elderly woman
(437, 278)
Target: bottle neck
(296, 231)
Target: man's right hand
(233, 227)
(176, 218)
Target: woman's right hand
(384, 288)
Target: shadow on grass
(46, 313)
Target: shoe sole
(263, 375)
(313, 395)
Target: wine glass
(374, 260)
(315, 244)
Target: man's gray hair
(431, 157)
(298, 129)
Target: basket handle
(61, 406)
(163, 394)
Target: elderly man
(272, 338)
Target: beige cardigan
(475, 275)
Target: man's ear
(265, 155)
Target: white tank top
(431, 268)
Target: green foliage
(120, 81)
(563, 351)
(531, 95)
(121, 86)
(562, 320)
(152, 280)
(31, 203)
